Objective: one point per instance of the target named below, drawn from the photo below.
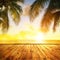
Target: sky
(26, 25)
(29, 1)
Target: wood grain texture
(30, 52)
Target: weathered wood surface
(29, 52)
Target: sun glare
(30, 35)
(27, 32)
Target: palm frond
(54, 4)
(47, 19)
(35, 8)
(18, 0)
(17, 7)
(56, 20)
(15, 13)
(4, 21)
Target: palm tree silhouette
(52, 13)
(14, 9)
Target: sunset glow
(30, 36)
(27, 31)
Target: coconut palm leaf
(4, 20)
(56, 20)
(15, 10)
(17, 7)
(18, 0)
(15, 15)
(49, 15)
(46, 21)
(35, 8)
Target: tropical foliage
(35, 8)
(52, 13)
(14, 9)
